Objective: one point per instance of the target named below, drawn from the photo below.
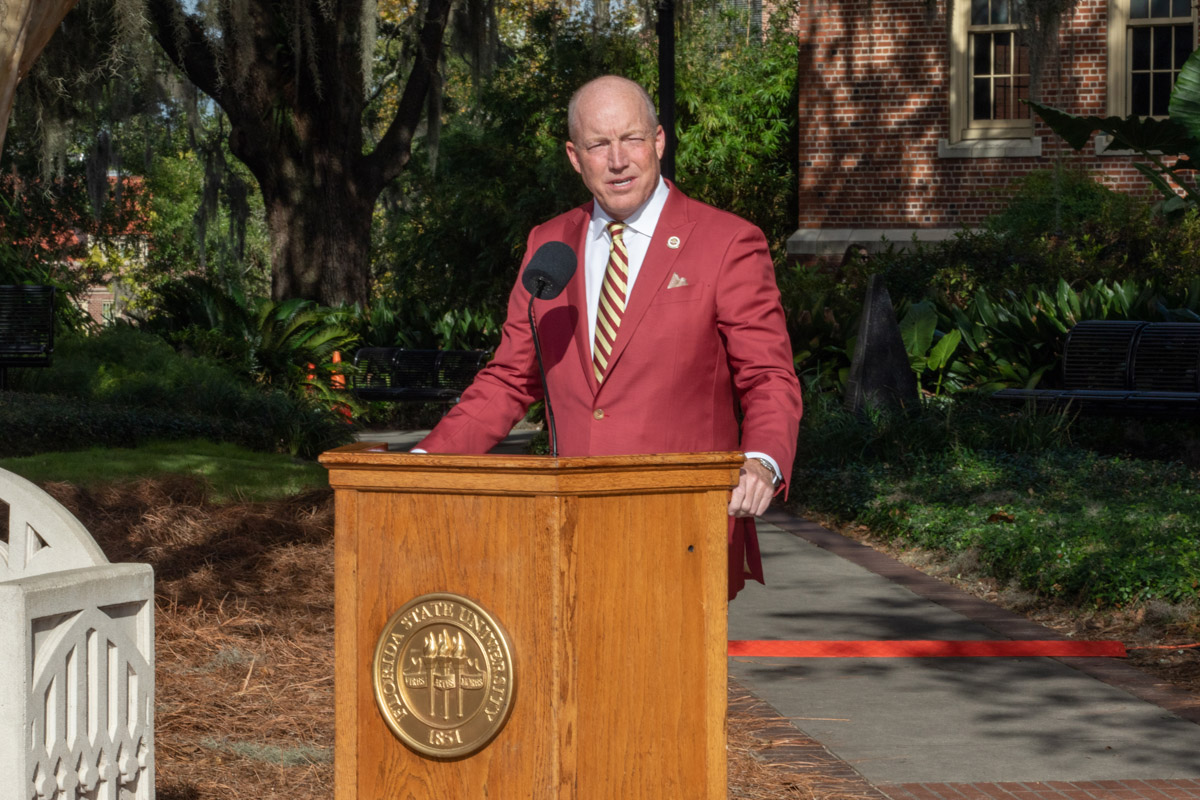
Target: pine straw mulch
(244, 651)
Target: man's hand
(754, 491)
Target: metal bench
(1122, 367)
(26, 327)
(398, 374)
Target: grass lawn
(231, 472)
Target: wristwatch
(775, 479)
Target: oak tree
(292, 76)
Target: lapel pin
(673, 243)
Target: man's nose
(617, 157)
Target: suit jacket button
(598, 413)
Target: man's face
(616, 147)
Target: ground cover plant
(228, 472)
(1058, 505)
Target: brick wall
(874, 103)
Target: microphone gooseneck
(546, 275)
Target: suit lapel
(673, 228)
(577, 295)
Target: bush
(1071, 508)
(1059, 224)
(121, 375)
(37, 423)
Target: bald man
(670, 332)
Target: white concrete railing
(76, 659)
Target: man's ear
(573, 155)
(660, 141)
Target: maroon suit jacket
(686, 359)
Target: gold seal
(444, 676)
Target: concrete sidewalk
(950, 727)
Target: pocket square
(676, 281)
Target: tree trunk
(320, 239)
(295, 100)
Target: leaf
(1130, 133)
(944, 349)
(917, 328)
(1184, 107)
(1155, 177)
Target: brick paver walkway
(804, 755)
(1054, 790)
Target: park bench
(1125, 367)
(402, 375)
(26, 327)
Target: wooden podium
(609, 576)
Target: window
(1148, 41)
(989, 73)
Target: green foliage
(454, 237)
(204, 216)
(394, 322)
(231, 472)
(1058, 224)
(736, 117)
(288, 345)
(1171, 146)
(38, 423)
(930, 351)
(1046, 501)
(107, 382)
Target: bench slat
(26, 325)
(399, 374)
(1127, 367)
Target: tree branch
(390, 156)
(183, 39)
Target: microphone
(548, 271)
(545, 276)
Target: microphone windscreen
(548, 271)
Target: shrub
(1067, 507)
(1059, 224)
(122, 373)
(37, 423)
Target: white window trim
(1118, 57)
(960, 89)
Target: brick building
(909, 114)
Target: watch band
(775, 478)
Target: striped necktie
(612, 301)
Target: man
(671, 328)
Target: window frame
(1119, 101)
(962, 128)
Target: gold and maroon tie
(612, 301)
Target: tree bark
(295, 95)
(25, 27)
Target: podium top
(371, 465)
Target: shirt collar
(643, 220)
